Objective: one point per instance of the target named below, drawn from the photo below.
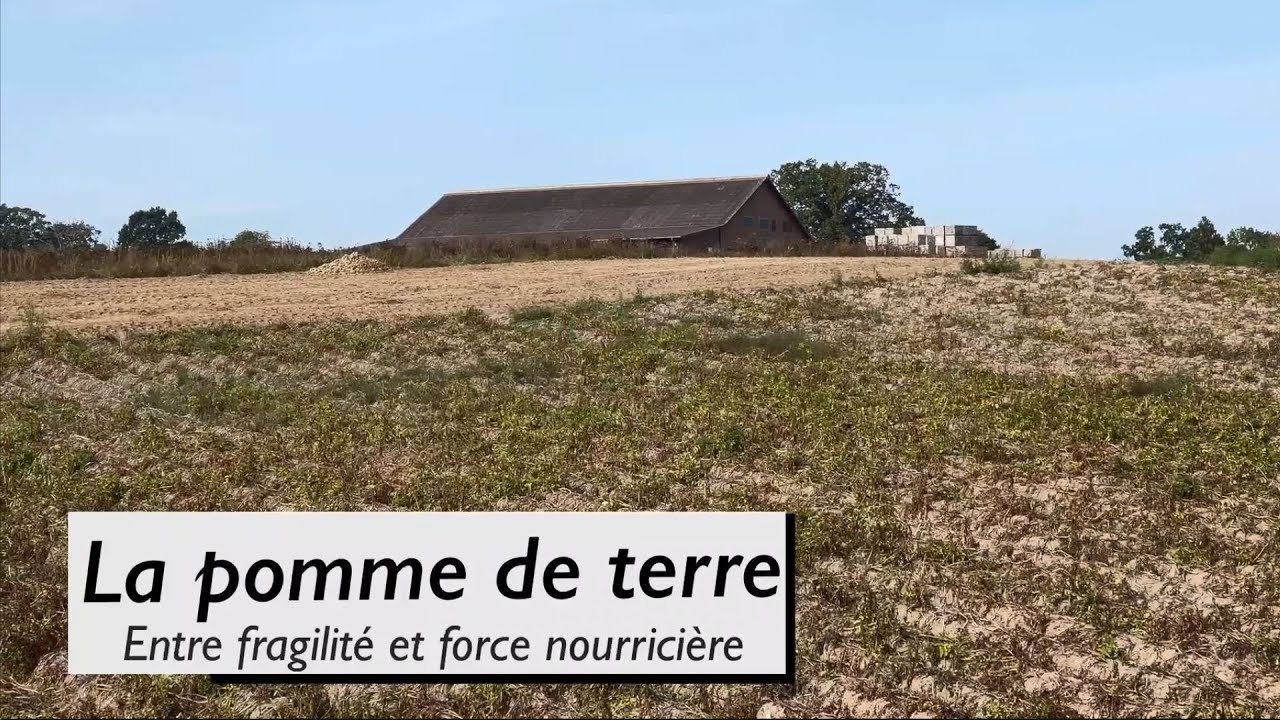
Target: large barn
(711, 213)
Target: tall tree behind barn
(840, 202)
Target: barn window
(748, 221)
(764, 223)
(773, 226)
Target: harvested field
(1052, 492)
(267, 298)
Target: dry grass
(1049, 492)
(221, 258)
(266, 298)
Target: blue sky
(1058, 124)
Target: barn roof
(635, 210)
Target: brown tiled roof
(638, 210)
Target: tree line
(1203, 243)
(156, 228)
(838, 202)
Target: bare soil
(496, 289)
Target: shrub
(1162, 384)
(1265, 258)
(534, 313)
(996, 265)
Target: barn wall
(705, 240)
(779, 230)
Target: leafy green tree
(152, 228)
(255, 239)
(987, 241)
(1175, 242)
(1144, 246)
(71, 236)
(839, 202)
(21, 228)
(1173, 238)
(1253, 239)
(1200, 241)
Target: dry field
(268, 298)
(1053, 492)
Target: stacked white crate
(946, 240)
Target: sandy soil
(159, 302)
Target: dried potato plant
(1050, 492)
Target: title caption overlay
(434, 597)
